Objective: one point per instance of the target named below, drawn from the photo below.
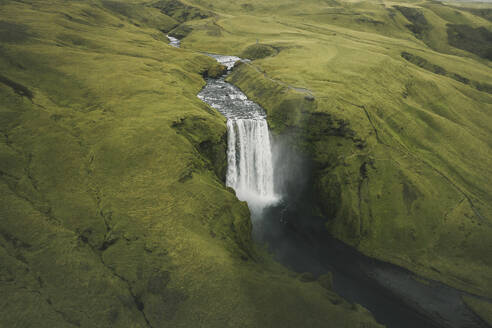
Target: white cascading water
(249, 153)
(249, 157)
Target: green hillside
(399, 128)
(113, 210)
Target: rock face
(113, 209)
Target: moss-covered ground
(112, 208)
(113, 212)
(480, 307)
(394, 111)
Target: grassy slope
(408, 180)
(111, 211)
(480, 307)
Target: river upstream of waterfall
(394, 295)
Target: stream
(395, 296)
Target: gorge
(396, 297)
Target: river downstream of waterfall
(393, 295)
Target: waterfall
(249, 152)
(249, 159)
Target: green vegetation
(16, 87)
(401, 144)
(423, 63)
(258, 51)
(475, 40)
(483, 12)
(113, 207)
(215, 71)
(138, 14)
(113, 212)
(418, 23)
(180, 11)
(480, 307)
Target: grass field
(112, 207)
(399, 128)
(112, 210)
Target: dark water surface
(390, 293)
